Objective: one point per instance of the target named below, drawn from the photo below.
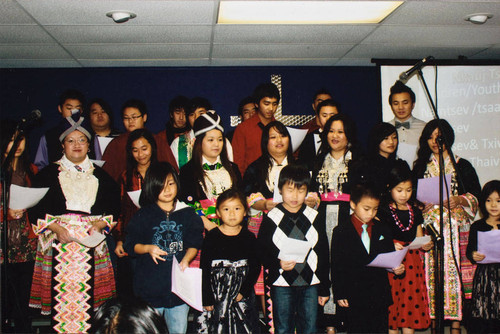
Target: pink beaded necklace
(398, 222)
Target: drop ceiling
(70, 33)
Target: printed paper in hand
(294, 250)
(134, 196)
(103, 142)
(488, 243)
(297, 136)
(389, 260)
(187, 285)
(91, 241)
(428, 189)
(22, 198)
(419, 242)
(277, 198)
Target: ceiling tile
(139, 51)
(33, 52)
(12, 13)
(435, 36)
(283, 51)
(409, 52)
(131, 34)
(94, 12)
(291, 33)
(442, 12)
(272, 62)
(24, 34)
(143, 63)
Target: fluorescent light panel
(305, 12)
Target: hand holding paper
(389, 260)
(187, 285)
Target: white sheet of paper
(91, 241)
(488, 243)
(187, 285)
(389, 260)
(277, 198)
(22, 198)
(407, 152)
(428, 189)
(297, 136)
(134, 196)
(294, 250)
(103, 142)
(419, 242)
(99, 163)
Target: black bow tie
(403, 124)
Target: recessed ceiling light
(305, 12)
(121, 16)
(478, 18)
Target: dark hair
(7, 131)
(245, 101)
(105, 106)
(232, 193)
(297, 175)
(424, 151)
(400, 172)
(328, 103)
(321, 91)
(266, 90)
(178, 102)
(488, 189)
(267, 158)
(154, 182)
(131, 162)
(71, 94)
(377, 134)
(350, 133)
(197, 102)
(130, 315)
(135, 103)
(361, 190)
(399, 88)
(198, 172)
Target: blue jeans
(294, 308)
(176, 318)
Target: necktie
(78, 168)
(402, 124)
(365, 238)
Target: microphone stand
(439, 248)
(6, 179)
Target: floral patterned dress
(455, 237)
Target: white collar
(85, 165)
(205, 161)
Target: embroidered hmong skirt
(486, 292)
(229, 316)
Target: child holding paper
(486, 288)
(296, 288)
(230, 269)
(410, 310)
(363, 291)
(164, 227)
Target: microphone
(431, 230)
(405, 76)
(32, 117)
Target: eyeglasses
(80, 141)
(131, 118)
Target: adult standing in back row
(247, 136)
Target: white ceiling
(71, 33)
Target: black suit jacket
(362, 286)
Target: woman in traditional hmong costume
(70, 279)
(463, 205)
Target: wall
(22, 90)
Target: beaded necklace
(398, 222)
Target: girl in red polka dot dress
(410, 310)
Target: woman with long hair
(332, 178)
(22, 242)
(459, 212)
